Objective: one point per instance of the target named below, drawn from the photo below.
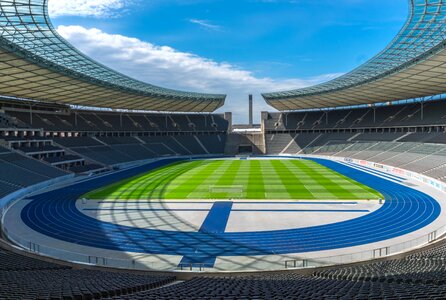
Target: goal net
(226, 191)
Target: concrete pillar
(251, 113)
(228, 117)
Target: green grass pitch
(242, 179)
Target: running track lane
(405, 210)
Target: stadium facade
(52, 153)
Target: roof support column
(422, 110)
(31, 115)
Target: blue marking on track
(218, 217)
(55, 214)
(215, 223)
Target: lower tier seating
(126, 149)
(74, 284)
(288, 286)
(23, 277)
(422, 157)
(417, 276)
(18, 171)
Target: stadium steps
(139, 140)
(341, 121)
(343, 150)
(390, 149)
(422, 157)
(7, 121)
(402, 137)
(174, 123)
(293, 142)
(320, 149)
(74, 152)
(433, 169)
(191, 124)
(181, 145)
(365, 151)
(165, 146)
(87, 161)
(302, 122)
(201, 145)
(21, 153)
(99, 141)
(354, 137)
(145, 146)
(214, 124)
(310, 144)
(397, 154)
(280, 143)
(359, 120)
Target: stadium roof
(412, 66)
(37, 63)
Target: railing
(149, 263)
(143, 263)
(368, 254)
(193, 267)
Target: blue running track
(55, 214)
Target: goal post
(227, 191)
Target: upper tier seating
(116, 138)
(434, 113)
(106, 121)
(6, 121)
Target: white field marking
(214, 177)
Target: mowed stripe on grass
(244, 179)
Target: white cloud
(206, 24)
(167, 67)
(95, 8)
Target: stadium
(113, 188)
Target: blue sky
(233, 47)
